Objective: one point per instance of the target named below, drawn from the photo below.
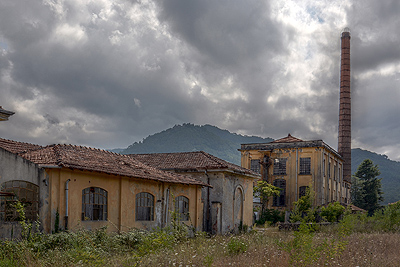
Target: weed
(236, 246)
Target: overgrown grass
(357, 240)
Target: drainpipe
(208, 208)
(66, 204)
(166, 207)
(297, 173)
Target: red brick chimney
(344, 137)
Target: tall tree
(366, 188)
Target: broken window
(255, 165)
(280, 166)
(305, 165)
(25, 192)
(279, 201)
(302, 191)
(182, 208)
(94, 204)
(144, 207)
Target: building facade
(228, 203)
(293, 165)
(90, 188)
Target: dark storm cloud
(230, 33)
(108, 73)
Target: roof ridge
(214, 158)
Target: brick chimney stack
(344, 137)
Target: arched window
(182, 208)
(25, 192)
(144, 207)
(94, 204)
(279, 201)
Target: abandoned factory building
(293, 165)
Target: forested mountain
(225, 145)
(189, 137)
(390, 172)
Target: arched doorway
(238, 208)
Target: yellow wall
(327, 189)
(121, 200)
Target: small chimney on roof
(344, 136)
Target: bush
(272, 216)
(236, 246)
(332, 212)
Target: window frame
(255, 165)
(182, 208)
(94, 204)
(280, 201)
(144, 206)
(305, 166)
(280, 166)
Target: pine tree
(366, 187)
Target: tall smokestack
(344, 140)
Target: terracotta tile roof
(92, 159)
(288, 139)
(16, 147)
(184, 161)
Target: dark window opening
(26, 193)
(255, 165)
(94, 204)
(144, 207)
(302, 191)
(280, 166)
(305, 165)
(279, 201)
(182, 208)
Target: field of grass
(356, 241)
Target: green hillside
(225, 145)
(190, 137)
(390, 172)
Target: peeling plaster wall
(222, 200)
(14, 167)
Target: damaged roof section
(191, 161)
(92, 159)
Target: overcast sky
(108, 73)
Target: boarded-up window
(255, 165)
(182, 208)
(279, 201)
(94, 204)
(280, 166)
(25, 192)
(144, 207)
(305, 165)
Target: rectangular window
(305, 165)
(302, 191)
(280, 166)
(279, 201)
(329, 169)
(255, 165)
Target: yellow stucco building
(229, 203)
(293, 165)
(91, 188)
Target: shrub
(272, 216)
(236, 246)
(332, 212)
